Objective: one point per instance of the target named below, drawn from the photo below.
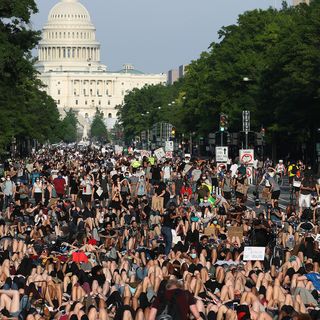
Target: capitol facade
(69, 67)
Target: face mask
(185, 200)
(215, 222)
(8, 179)
(103, 176)
(228, 224)
(205, 201)
(193, 255)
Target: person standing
(306, 188)
(60, 185)
(9, 190)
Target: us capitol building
(70, 68)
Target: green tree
(98, 129)
(26, 111)
(68, 127)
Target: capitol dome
(69, 11)
(69, 39)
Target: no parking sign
(246, 156)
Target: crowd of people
(90, 234)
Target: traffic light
(223, 122)
(173, 132)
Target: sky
(156, 35)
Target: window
(86, 102)
(77, 102)
(74, 92)
(84, 92)
(99, 102)
(59, 91)
(109, 115)
(92, 101)
(122, 92)
(107, 92)
(109, 103)
(86, 115)
(91, 92)
(58, 102)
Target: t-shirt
(59, 184)
(308, 183)
(315, 279)
(184, 299)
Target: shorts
(305, 200)
(86, 197)
(296, 189)
(227, 195)
(275, 195)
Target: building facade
(297, 2)
(70, 68)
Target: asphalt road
(284, 199)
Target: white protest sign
(118, 149)
(254, 253)
(169, 146)
(159, 153)
(246, 156)
(221, 154)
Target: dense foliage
(68, 127)
(276, 51)
(26, 111)
(98, 128)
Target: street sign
(221, 154)
(169, 146)
(221, 166)
(169, 154)
(246, 121)
(249, 172)
(159, 153)
(246, 156)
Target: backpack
(171, 310)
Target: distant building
(176, 74)
(69, 65)
(297, 2)
(182, 70)
(173, 76)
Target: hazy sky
(156, 35)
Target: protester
(88, 234)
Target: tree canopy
(98, 129)
(275, 51)
(26, 111)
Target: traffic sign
(169, 154)
(246, 156)
(249, 172)
(221, 154)
(221, 166)
(169, 146)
